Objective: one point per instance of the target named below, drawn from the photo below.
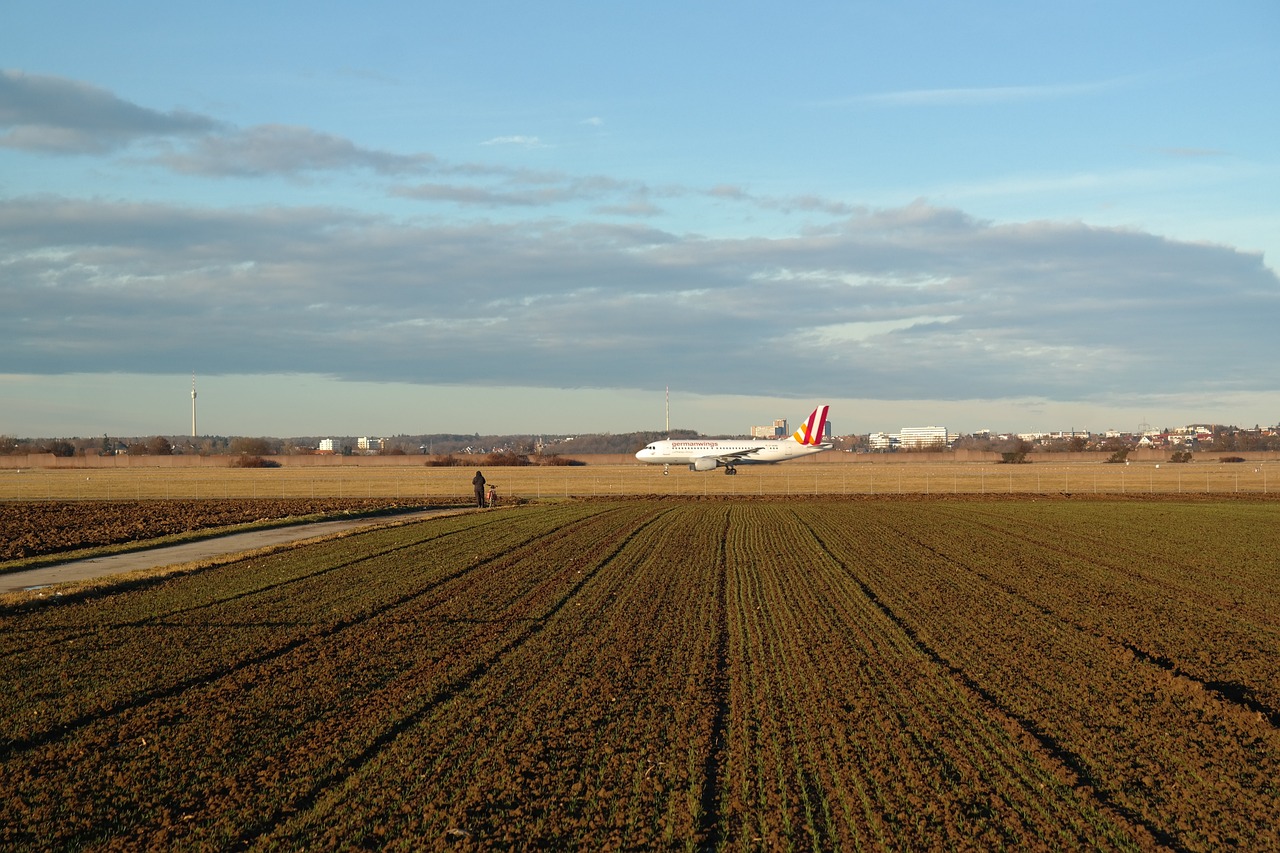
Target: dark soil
(54, 527)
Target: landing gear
(730, 470)
(666, 469)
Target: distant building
(881, 442)
(365, 443)
(778, 430)
(327, 445)
(918, 438)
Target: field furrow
(1211, 619)
(855, 736)
(294, 721)
(1153, 746)
(670, 673)
(254, 610)
(591, 733)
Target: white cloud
(525, 141)
(285, 150)
(522, 277)
(913, 303)
(982, 95)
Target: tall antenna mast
(193, 404)
(668, 411)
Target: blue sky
(512, 217)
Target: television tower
(193, 404)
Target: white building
(918, 438)
(366, 443)
(881, 442)
(778, 430)
(328, 445)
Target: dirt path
(190, 552)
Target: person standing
(478, 482)
(492, 497)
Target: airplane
(709, 454)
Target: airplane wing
(726, 458)
(736, 454)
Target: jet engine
(704, 463)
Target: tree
(1017, 454)
(1116, 445)
(60, 447)
(251, 446)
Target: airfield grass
(541, 483)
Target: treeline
(1225, 439)
(438, 444)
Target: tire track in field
(63, 729)
(155, 619)
(1073, 767)
(710, 831)
(1108, 545)
(1240, 697)
(353, 765)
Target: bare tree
(251, 446)
(159, 446)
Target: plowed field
(34, 528)
(821, 674)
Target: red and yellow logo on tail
(814, 428)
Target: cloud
(637, 207)
(519, 188)
(916, 302)
(562, 280)
(978, 95)
(464, 194)
(274, 149)
(55, 115)
(524, 141)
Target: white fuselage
(726, 451)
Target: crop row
(1186, 590)
(592, 733)
(668, 673)
(275, 683)
(847, 730)
(1192, 765)
(33, 528)
(215, 622)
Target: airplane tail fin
(814, 428)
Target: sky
(392, 218)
